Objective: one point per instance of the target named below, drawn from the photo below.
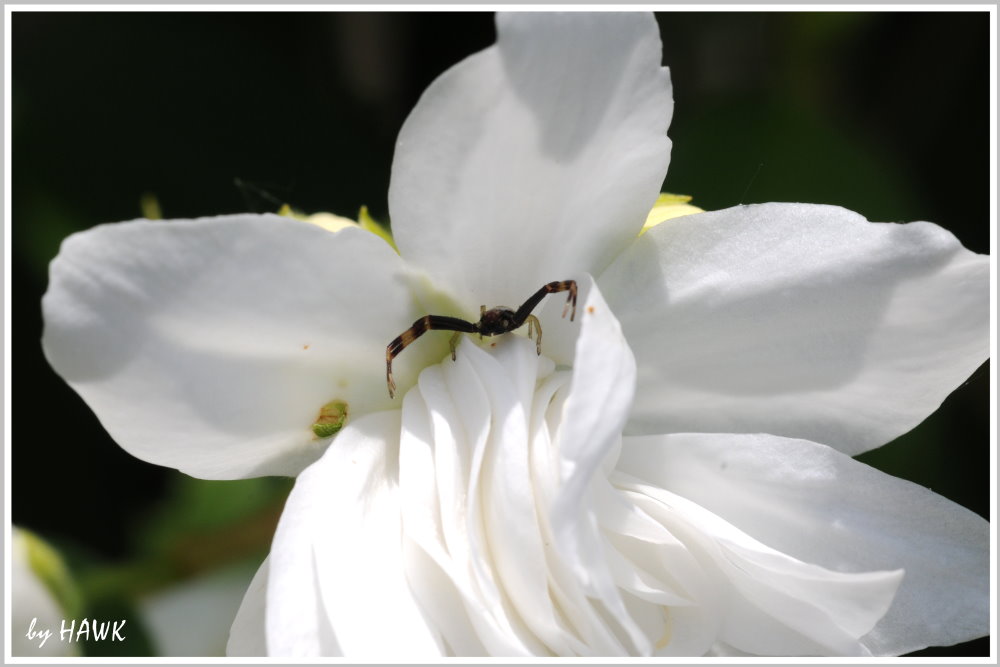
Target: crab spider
(492, 322)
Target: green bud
(331, 419)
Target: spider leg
(571, 297)
(534, 323)
(419, 328)
(453, 343)
(550, 288)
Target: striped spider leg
(492, 322)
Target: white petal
(211, 345)
(248, 636)
(691, 624)
(336, 583)
(763, 601)
(818, 505)
(439, 443)
(467, 494)
(503, 485)
(536, 159)
(446, 610)
(800, 320)
(479, 471)
(600, 395)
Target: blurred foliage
(196, 527)
(208, 113)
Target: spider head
(496, 321)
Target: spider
(492, 322)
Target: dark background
(884, 113)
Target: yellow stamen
(668, 206)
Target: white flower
(671, 476)
(42, 595)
